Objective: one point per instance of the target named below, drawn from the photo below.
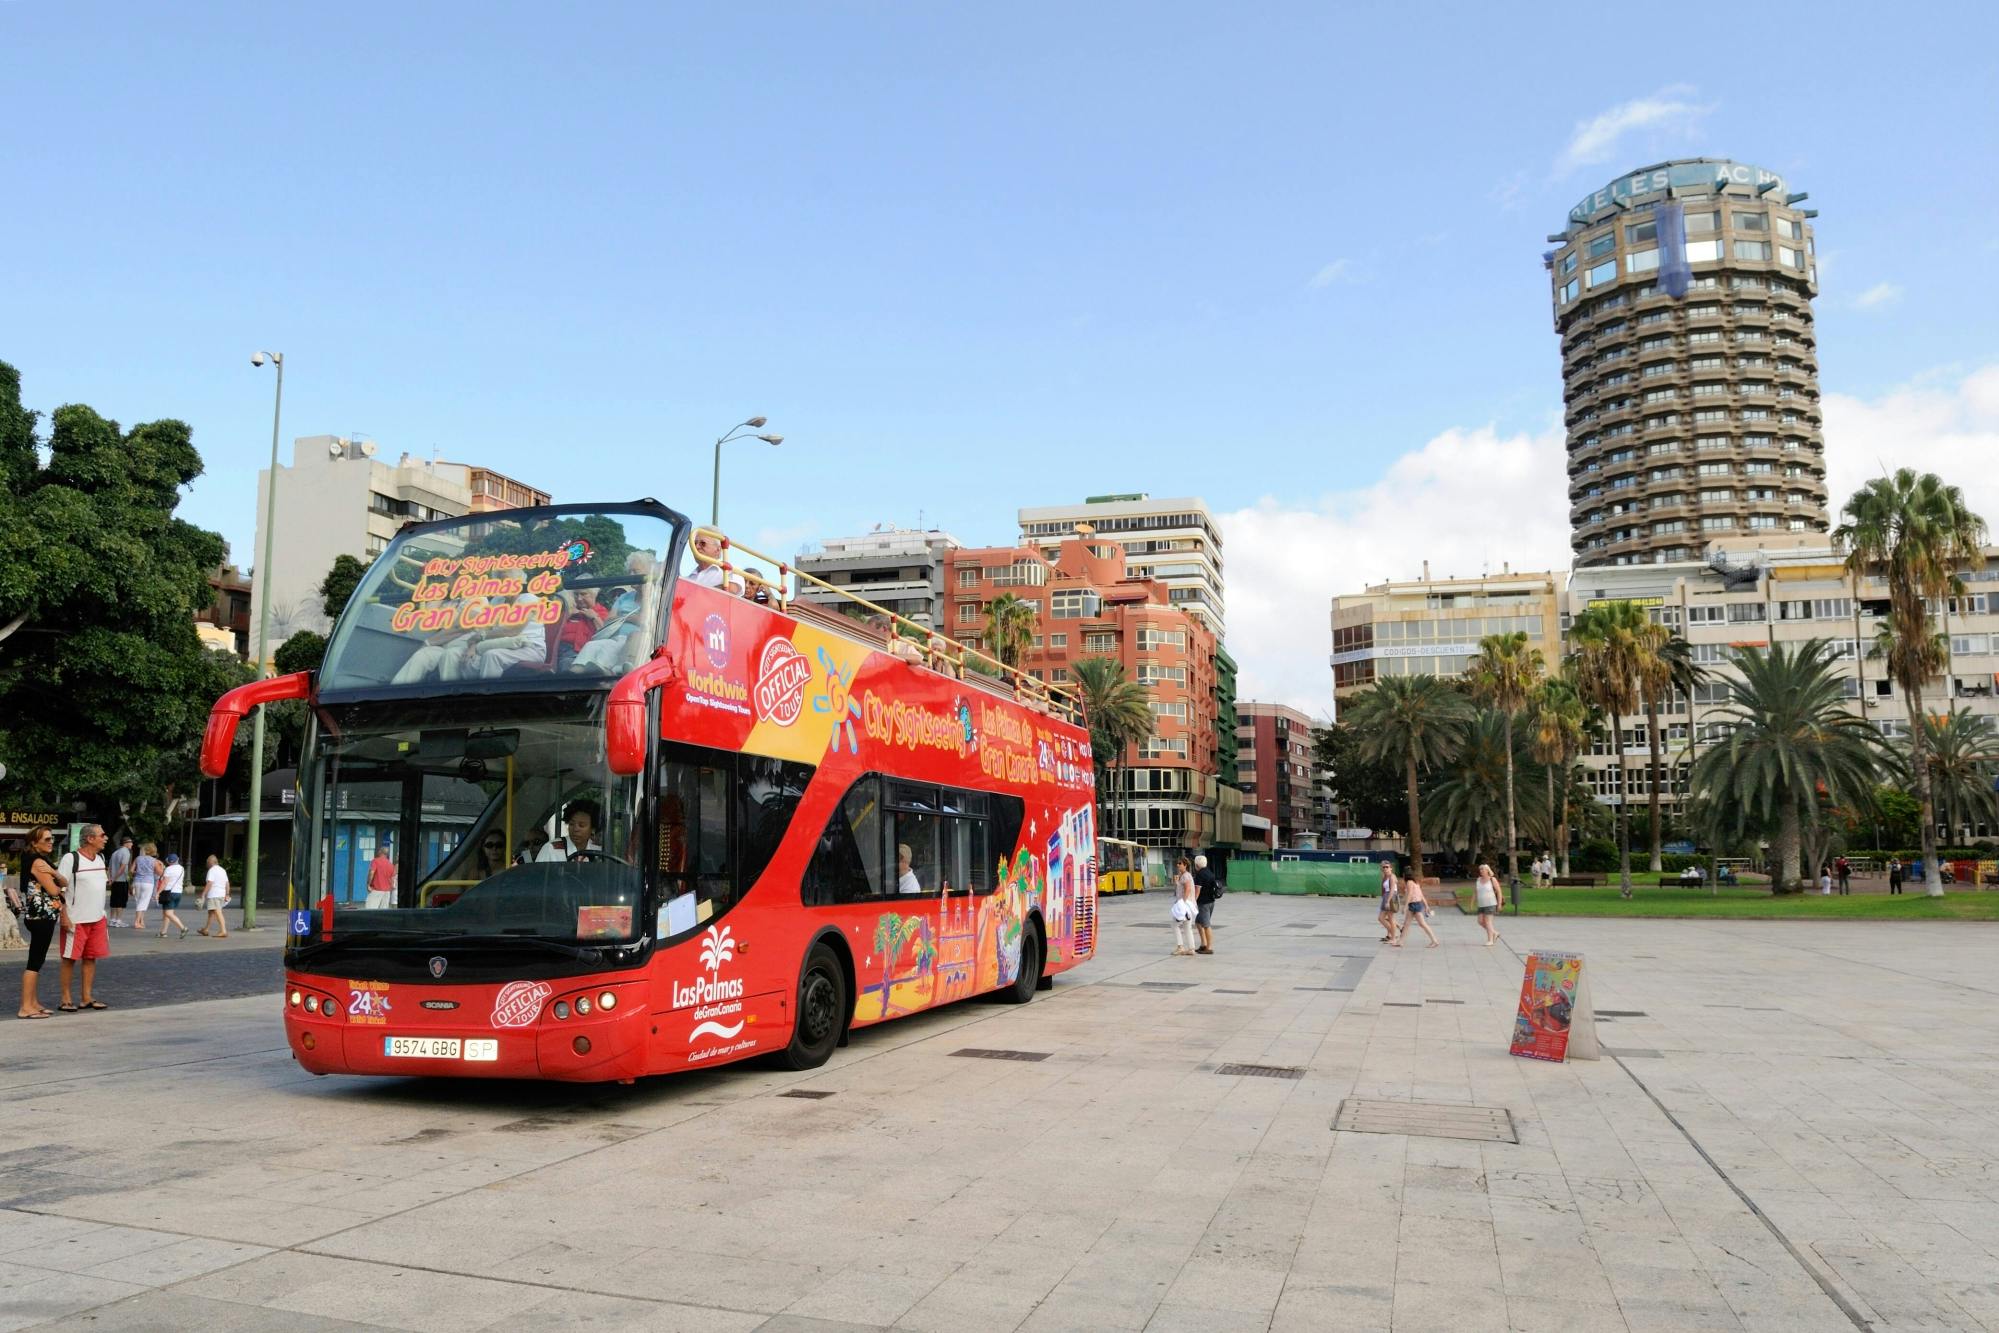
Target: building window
(1602, 244)
(1791, 229)
(1789, 257)
(1751, 249)
(1643, 261)
(968, 577)
(967, 612)
(1602, 273)
(1703, 222)
(1074, 604)
(1568, 263)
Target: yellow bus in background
(1120, 866)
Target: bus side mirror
(231, 707)
(625, 715)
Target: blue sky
(964, 259)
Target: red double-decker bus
(573, 807)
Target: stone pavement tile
(1173, 1317)
(1311, 1307)
(1222, 1285)
(572, 1310)
(862, 1298)
(84, 1250)
(250, 1221)
(185, 1312)
(957, 1304)
(57, 1294)
(178, 1262)
(1549, 1314)
(799, 1323)
(21, 1231)
(1064, 1312)
(370, 1293)
(1449, 1306)
(1650, 1316)
(1893, 1289)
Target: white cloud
(1880, 294)
(1946, 424)
(1466, 501)
(1596, 139)
(1340, 270)
(1506, 194)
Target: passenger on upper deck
(476, 654)
(707, 559)
(614, 647)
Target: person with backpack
(85, 936)
(1206, 890)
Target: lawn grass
(1757, 903)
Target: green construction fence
(1347, 879)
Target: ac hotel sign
(1674, 175)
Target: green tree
(1504, 676)
(1792, 743)
(1467, 799)
(103, 682)
(1899, 815)
(1560, 721)
(1964, 754)
(1614, 642)
(1009, 632)
(1916, 532)
(303, 651)
(1668, 669)
(1370, 791)
(337, 588)
(1414, 722)
(1120, 715)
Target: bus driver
(579, 820)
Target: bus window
(979, 860)
(851, 860)
(957, 854)
(917, 863)
(721, 816)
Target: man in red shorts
(85, 938)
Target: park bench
(1582, 881)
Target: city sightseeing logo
(578, 552)
(782, 675)
(715, 641)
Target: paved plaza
(1793, 1128)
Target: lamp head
(771, 439)
(259, 358)
(755, 422)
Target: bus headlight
(297, 999)
(607, 1001)
(562, 1008)
(582, 1005)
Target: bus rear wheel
(1029, 980)
(822, 992)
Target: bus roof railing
(937, 650)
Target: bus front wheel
(1029, 980)
(822, 991)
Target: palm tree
(1613, 641)
(1504, 676)
(1670, 669)
(1009, 632)
(1964, 754)
(1119, 711)
(1559, 718)
(1414, 721)
(1916, 532)
(1468, 803)
(892, 932)
(1791, 743)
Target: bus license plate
(422, 1048)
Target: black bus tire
(1029, 978)
(820, 1023)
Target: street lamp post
(263, 648)
(753, 424)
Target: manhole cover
(973, 1053)
(1166, 985)
(1401, 1004)
(1220, 991)
(1260, 1071)
(1430, 1120)
(1622, 1013)
(810, 1094)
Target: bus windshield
(452, 819)
(508, 598)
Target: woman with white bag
(1183, 908)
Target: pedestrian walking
(145, 883)
(1206, 890)
(85, 936)
(215, 897)
(41, 893)
(1391, 903)
(171, 877)
(1894, 874)
(381, 878)
(1844, 869)
(1418, 912)
(1489, 898)
(1825, 881)
(1183, 908)
(120, 870)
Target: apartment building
(1432, 626)
(1175, 541)
(1088, 603)
(898, 569)
(1275, 770)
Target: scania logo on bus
(782, 675)
(519, 1003)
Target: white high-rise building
(898, 569)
